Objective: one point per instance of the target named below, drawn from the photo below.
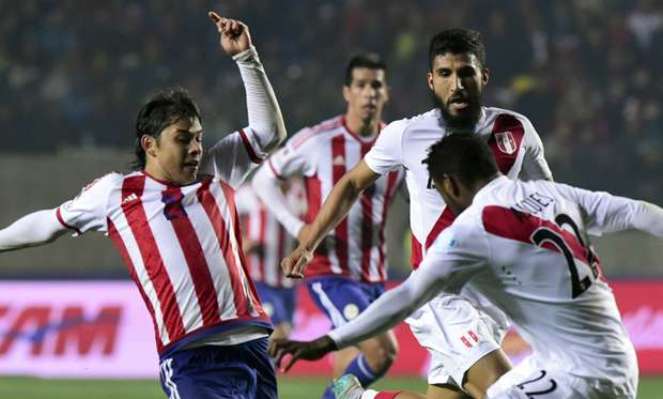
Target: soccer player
(348, 271)
(175, 224)
(524, 245)
(265, 242)
(457, 76)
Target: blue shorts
(341, 298)
(242, 371)
(279, 303)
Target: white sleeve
(265, 118)
(267, 187)
(88, 210)
(234, 155)
(535, 166)
(452, 260)
(245, 200)
(606, 213)
(296, 157)
(33, 229)
(387, 152)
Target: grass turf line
(289, 388)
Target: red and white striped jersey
(405, 143)
(269, 239)
(322, 155)
(182, 244)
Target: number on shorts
(538, 391)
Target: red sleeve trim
(249, 150)
(271, 166)
(58, 214)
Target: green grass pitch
(290, 388)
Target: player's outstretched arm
(389, 309)
(606, 213)
(265, 118)
(34, 229)
(335, 208)
(279, 348)
(267, 187)
(649, 219)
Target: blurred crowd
(74, 73)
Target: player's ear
(149, 144)
(485, 75)
(452, 185)
(429, 80)
(346, 93)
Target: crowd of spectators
(74, 73)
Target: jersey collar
(499, 180)
(479, 125)
(358, 137)
(201, 177)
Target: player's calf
(379, 353)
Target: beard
(466, 120)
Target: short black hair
(160, 111)
(465, 156)
(457, 41)
(363, 60)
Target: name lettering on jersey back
(534, 203)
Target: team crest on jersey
(505, 142)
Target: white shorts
(535, 379)
(456, 334)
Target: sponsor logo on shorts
(350, 311)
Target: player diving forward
(524, 246)
(174, 222)
(457, 76)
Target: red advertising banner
(101, 330)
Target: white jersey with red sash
(514, 141)
(443, 324)
(525, 246)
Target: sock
(359, 368)
(387, 394)
(328, 393)
(371, 394)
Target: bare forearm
(335, 208)
(35, 229)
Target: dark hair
(363, 60)
(162, 110)
(457, 41)
(465, 156)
